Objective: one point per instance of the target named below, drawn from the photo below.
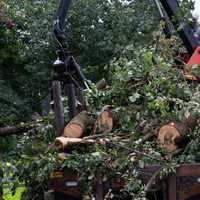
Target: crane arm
(184, 30)
(59, 23)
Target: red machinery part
(195, 58)
(192, 63)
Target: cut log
(19, 129)
(171, 134)
(76, 127)
(63, 142)
(107, 120)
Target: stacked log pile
(101, 128)
(75, 130)
(170, 136)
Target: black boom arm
(62, 12)
(185, 31)
(59, 23)
(66, 69)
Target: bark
(102, 85)
(19, 129)
(107, 120)
(76, 127)
(63, 142)
(170, 135)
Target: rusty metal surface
(145, 175)
(187, 187)
(66, 182)
(189, 170)
(185, 183)
(59, 179)
(172, 187)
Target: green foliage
(17, 196)
(30, 163)
(11, 63)
(144, 89)
(106, 28)
(96, 32)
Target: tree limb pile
(75, 129)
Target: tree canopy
(96, 33)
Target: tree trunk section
(171, 134)
(102, 85)
(107, 120)
(19, 129)
(76, 127)
(63, 142)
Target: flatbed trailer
(182, 185)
